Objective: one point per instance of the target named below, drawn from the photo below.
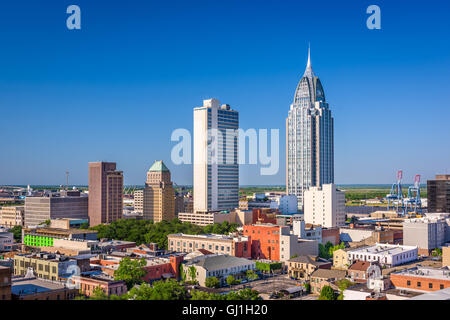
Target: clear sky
(117, 88)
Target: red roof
(360, 266)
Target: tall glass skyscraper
(216, 168)
(309, 137)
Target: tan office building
(105, 193)
(139, 201)
(12, 216)
(159, 195)
(45, 265)
(215, 243)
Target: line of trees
(171, 290)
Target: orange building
(265, 241)
(422, 279)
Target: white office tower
(216, 168)
(309, 137)
(325, 206)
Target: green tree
(131, 271)
(230, 280)
(334, 248)
(98, 294)
(160, 290)
(212, 282)
(17, 232)
(192, 274)
(251, 275)
(84, 225)
(307, 287)
(327, 293)
(437, 252)
(324, 250)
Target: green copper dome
(158, 166)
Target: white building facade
(325, 206)
(309, 137)
(384, 254)
(285, 203)
(216, 168)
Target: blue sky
(117, 88)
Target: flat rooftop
(26, 286)
(383, 249)
(49, 230)
(425, 272)
(208, 236)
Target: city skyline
(66, 94)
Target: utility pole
(67, 180)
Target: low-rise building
(324, 277)
(44, 236)
(11, 216)
(65, 204)
(204, 218)
(87, 284)
(39, 289)
(219, 266)
(446, 256)
(331, 235)
(428, 233)
(358, 271)
(421, 279)
(385, 254)
(6, 241)
(107, 246)
(44, 265)
(236, 246)
(5, 283)
(73, 247)
(303, 266)
(276, 243)
(340, 259)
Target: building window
(408, 283)
(441, 286)
(430, 285)
(419, 284)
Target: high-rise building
(139, 201)
(216, 168)
(105, 193)
(438, 193)
(325, 206)
(159, 195)
(309, 137)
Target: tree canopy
(145, 231)
(327, 293)
(131, 271)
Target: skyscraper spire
(308, 65)
(308, 71)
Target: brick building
(87, 285)
(276, 243)
(422, 279)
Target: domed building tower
(309, 137)
(159, 195)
